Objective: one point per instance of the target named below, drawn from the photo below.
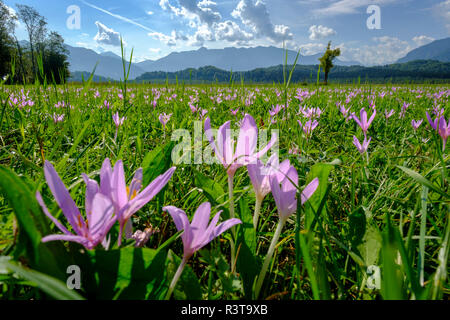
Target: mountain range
(235, 59)
(437, 50)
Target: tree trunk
(19, 51)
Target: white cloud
(13, 14)
(442, 10)
(231, 32)
(320, 32)
(338, 7)
(256, 16)
(312, 48)
(169, 40)
(385, 50)
(422, 40)
(155, 50)
(204, 11)
(150, 13)
(202, 35)
(107, 35)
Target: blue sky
(155, 28)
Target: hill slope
(109, 64)
(437, 50)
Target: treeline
(414, 71)
(42, 58)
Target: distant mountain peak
(437, 50)
(110, 54)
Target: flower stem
(257, 212)
(231, 209)
(115, 136)
(269, 256)
(176, 277)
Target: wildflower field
(316, 192)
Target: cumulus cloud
(442, 10)
(231, 32)
(385, 50)
(107, 35)
(202, 35)
(255, 15)
(320, 32)
(169, 40)
(422, 40)
(312, 48)
(204, 11)
(206, 21)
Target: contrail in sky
(118, 16)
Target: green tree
(7, 25)
(36, 28)
(326, 62)
(56, 66)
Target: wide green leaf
(188, 286)
(247, 263)
(422, 180)
(322, 172)
(156, 162)
(53, 287)
(33, 225)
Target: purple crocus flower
(344, 111)
(444, 130)
(362, 122)
(200, 232)
(164, 118)
(260, 173)
(58, 118)
(284, 192)
(194, 108)
(275, 110)
(203, 113)
(128, 200)
(260, 177)
(285, 199)
(389, 114)
(245, 152)
(99, 212)
(434, 124)
(309, 126)
(197, 234)
(416, 124)
(118, 121)
(361, 148)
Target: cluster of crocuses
(280, 179)
(311, 114)
(111, 201)
(106, 203)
